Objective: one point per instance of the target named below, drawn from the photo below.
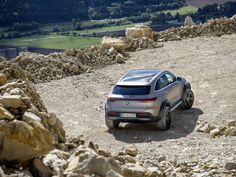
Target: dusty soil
(209, 63)
(201, 3)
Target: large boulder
(117, 43)
(22, 141)
(139, 31)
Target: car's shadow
(183, 123)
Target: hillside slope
(207, 62)
(201, 3)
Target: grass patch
(183, 10)
(52, 41)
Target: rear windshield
(131, 90)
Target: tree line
(48, 11)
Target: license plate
(128, 115)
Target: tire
(187, 99)
(111, 124)
(165, 122)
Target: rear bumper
(134, 120)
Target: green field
(182, 11)
(110, 28)
(52, 41)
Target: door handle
(166, 92)
(173, 86)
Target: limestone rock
(12, 101)
(117, 43)
(131, 150)
(231, 123)
(57, 160)
(139, 31)
(3, 79)
(120, 58)
(88, 162)
(215, 132)
(5, 114)
(23, 141)
(189, 22)
(28, 116)
(154, 172)
(112, 51)
(133, 170)
(206, 128)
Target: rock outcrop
(139, 31)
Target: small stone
(28, 116)
(120, 58)
(231, 123)
(133, 170)
(154, 172)
(112, 51)
(104, 153)
(215, 132)
(131, 150)
(93, 146)
(232, 131)
(206, 128)
(5, 114)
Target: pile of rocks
(213, 27)
(77, 159)
(27, 130)
(44, 68)
(228, 130)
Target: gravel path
(208, 63)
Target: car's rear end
(132, 103)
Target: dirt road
(208, 63)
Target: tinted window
(131, 90)
(170, 77)
(161, 82)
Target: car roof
(139, 77)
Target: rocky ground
(207, 62)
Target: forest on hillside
(45, 11)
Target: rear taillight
(113, 114)
(149, 100)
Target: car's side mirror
(179, 78)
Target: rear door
(175, 88)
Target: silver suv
(147, 96)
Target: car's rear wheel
(187, 99)
(165, 121)
(111, 124)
